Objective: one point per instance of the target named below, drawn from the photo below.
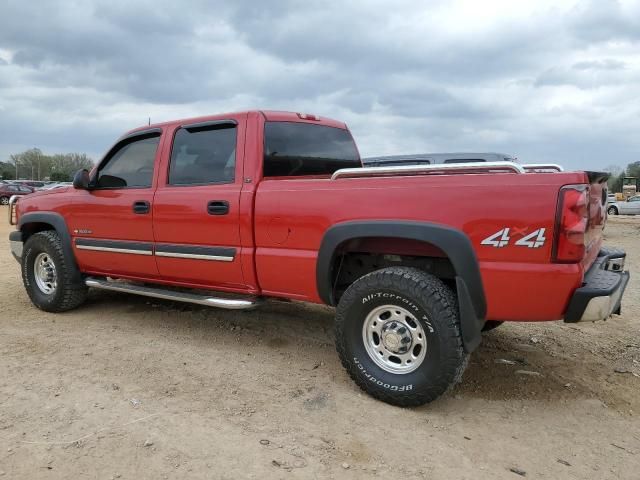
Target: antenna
(149, 120)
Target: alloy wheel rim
(45, 274)
(394, 339)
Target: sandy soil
(130, 388)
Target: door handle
(141, 207)
(218, 207)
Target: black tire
(433, 304)
(491, 325)
(4, 200)
(67, 294)
(612, 211)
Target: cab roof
(269, 115)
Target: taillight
(572, 219)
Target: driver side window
(131, 165)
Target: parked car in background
(54, 185)
(629, 207)
(8, 190)
(436, 158)
(34, 184)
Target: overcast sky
(544, 80)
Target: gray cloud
(406, 78)
(605, 64)
(605, 21)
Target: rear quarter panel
(520, 283)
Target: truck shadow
(514, 362)
(277, 322)
(542, 362)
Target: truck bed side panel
(292, 215)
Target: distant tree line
(34, 165)
(617, 175)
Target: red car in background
(8, 190)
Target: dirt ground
(127, 387)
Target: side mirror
(81, 180)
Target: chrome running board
(166, 294)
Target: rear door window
(292, 149)
(203, 155)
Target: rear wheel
(48, 276)
(398, 336)
(612, 211)
(4, 200)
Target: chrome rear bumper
(601, 293)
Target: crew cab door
(196, 211)
(110, 223)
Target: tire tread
(426, 288)
(73, 294)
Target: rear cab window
(294, 149)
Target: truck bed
(291, 216)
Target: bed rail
(437, 169)
(543, 168)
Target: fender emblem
(82, 231)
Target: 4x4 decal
(502, 238)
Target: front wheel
(48, 276)
(612, 211)
(4, 200)
(398, 336)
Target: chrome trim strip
(194, 256)
(114, 250)
(480, 167)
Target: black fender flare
(60, 226)
(454, 243)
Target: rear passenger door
(196, 210)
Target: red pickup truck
(232, 209)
